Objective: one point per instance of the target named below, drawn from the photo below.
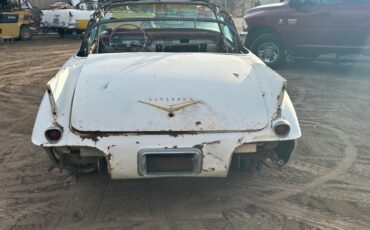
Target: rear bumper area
(149, 156)
(211, 156)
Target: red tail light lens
(53, 134)
(282, 129)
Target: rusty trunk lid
(145, 92)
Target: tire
(25, 33)
(269, 48)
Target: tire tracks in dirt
(276, 202)
(350, 156)
(158, 204)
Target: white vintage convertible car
(175, 94)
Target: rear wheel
(269, 49)
(25, 33)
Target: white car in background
(66, 18)
(175, 94)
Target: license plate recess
(169, 162)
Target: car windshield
(162, 27)
(160, 10)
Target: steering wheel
(125, 29)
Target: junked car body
(175, 94)
(68, 18)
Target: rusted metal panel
(165, 81)
(246, 148)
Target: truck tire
(25, 33)
(269, 49)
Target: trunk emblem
(171, 108)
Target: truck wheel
(25, 33)
(269, 49)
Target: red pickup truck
(308, 28)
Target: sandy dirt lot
(325, 186)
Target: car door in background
(309, 25)
(351, 25)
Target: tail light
(53, 134)
(282, 128)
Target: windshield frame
(114, 4)
(219, 12)
(101, 11)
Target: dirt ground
(325, 186)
